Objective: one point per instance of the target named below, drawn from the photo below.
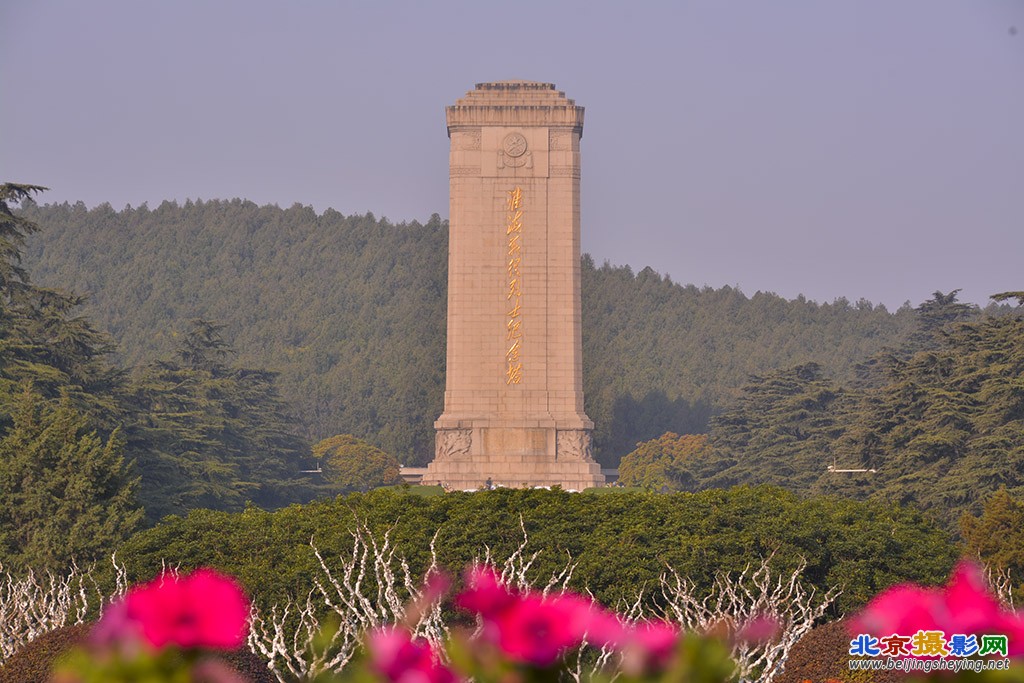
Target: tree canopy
(66, 491)
(940, 425)
(209, 434)
(996, 536)
(351, 464)
(662, 464)
(618, 541)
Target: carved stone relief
(574, 444)
(468, 140)
(452, 443)
(514, 153)
(559, 141)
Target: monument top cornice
(514, 103)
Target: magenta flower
(965, 606)
(535, 630)
(901, 609)
(435, 586)
(605, 628)
(399, 658)
(650, 646)
(530, 628)
(485, 594)
(968, 603)
(115, 629)
(203, 610)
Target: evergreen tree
(211, 435)
(1006, 296)
(64, 488)
(996, 537)
(948, 427)
(65, 493)
(935, 315)
(13, 231)
(779, 431)
(42, 340)
(940, 427)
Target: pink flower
(902, 609)
(203, 610)
(395, 655)
(650, 646)
(485, 593)
(605, 628)
(968, 604)
(435, 586)
(115, 629)
(971, 608)
(534, 630)
(965, 606)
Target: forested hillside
(351, 312)
(938, 423)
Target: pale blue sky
(857, 148)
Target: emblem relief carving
(514, 152)
(574, 444)
(452, 443)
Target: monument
(513, 402)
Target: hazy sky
(857, 148)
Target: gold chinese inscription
(514, 296)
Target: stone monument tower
(513, 401)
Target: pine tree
(13, 231)
(778, 432)
(212, 435)
(65, 493)
(42, 339)
(935, 315)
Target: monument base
(474, 457)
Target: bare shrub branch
(372, 586)
(1001, 583)
(735, 600)
(369, 588)
(32, 605)
(514, 570)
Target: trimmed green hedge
(622, 542)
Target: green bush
(620, 543)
